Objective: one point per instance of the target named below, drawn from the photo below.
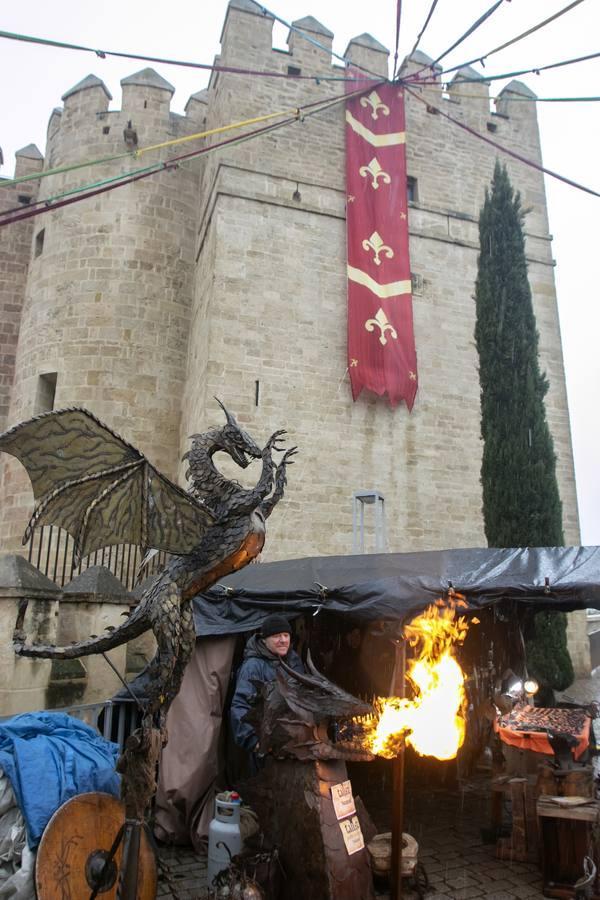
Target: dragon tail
(135, 625)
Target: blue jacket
(259, 665)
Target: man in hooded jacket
(261, 659)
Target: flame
(433, 721)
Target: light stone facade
(217, 280)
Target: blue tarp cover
(50, 757)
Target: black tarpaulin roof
(400, 585)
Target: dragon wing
(89, 481)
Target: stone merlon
(90, 81)
(148, 78)
(29, 152)
(467, 73)
(309, 23)
(368, 41)
(420, 60)
(517, 87)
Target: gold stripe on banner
(392, 289)
(377, 140)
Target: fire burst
(433, 721)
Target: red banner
(381, 344)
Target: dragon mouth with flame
(432, 722)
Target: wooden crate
(567, 835)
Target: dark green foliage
(521, 503)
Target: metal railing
(115, 720)
(51, 550)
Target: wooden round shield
(75, 845)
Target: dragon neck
(204, 475)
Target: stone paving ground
(447, 822)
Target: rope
(312, 40)
(514, 40)
(422, 31)
(462, 38)
(102, 187)
(470, 30)
(398, 17)
(504, 76)
(233, 70)
(136, 153)
(513, 153)
(519, 98)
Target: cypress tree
(521, 502)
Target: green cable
(72, 168)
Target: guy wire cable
(470, 30)
(175, 162)
(134, 154)
(515, 98)
(232, 70)
(416, 81)
(397, 43)
(514, 40)
(314, 41)
(507, 150)
(422, 31)
(492, 9)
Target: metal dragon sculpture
(89, 481)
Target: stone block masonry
(227, 278)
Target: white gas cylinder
(224, 829)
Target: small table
(527, 728)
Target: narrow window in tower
(106, 129)
(256, 392)
(39, 242)
(411, 189)
(45, 393)
(294, 70)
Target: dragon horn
(229, 417)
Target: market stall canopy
(400, 585)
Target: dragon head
(308, 717)
(231, 439)
(237, 442)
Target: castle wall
(278, 302)
(15, 248)
(108, 299)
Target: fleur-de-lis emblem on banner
(375, 171)
(376, 104)
(381, 321)
(375, 243)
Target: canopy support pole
(398, 690)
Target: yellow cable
(192, 137)
(202, 134)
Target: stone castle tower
(227, 277)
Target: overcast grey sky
(33, 78)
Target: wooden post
(398, 782)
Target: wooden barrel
(577, 782)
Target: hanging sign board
(353, 836)
(343, 801)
